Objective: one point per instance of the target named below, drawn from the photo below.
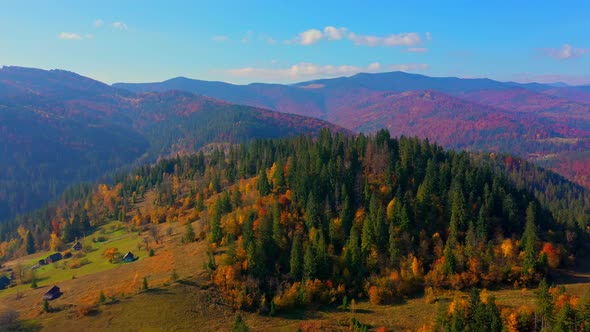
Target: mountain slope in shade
(176, 122)
(58, 128)
(547, 119)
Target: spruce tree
(262, 184)
(216, 234)
(393, 246)
(296, 260)
(30, 243)
(544, 304)
(529, 241)
(367, 236)
(566, 319)
(347, 213)
(309, 263)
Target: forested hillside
(301, 220)
(59, 129)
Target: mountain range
(58, 128)
(545, 123)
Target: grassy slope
(52, 274)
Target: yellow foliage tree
(55, 243)
(417, 269)
(390, 209)
(507, 248)
(512, 323)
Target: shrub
(240, 325)
(46, 307)
(101, 297)
(74, 263)
(86, 310)
(429, 295)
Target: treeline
(303, 220)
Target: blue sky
(263, 41)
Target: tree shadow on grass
(157, 291)
(27, 326)
(316, 313)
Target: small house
(54, 258)
(42, 262)
(4, 282)
(129, 257)
(52, 294)
(67, 254)
(77, 246)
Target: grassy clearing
(51, 274)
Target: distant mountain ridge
(545, 122)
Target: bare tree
(154, 232)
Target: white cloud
(70, 36)
(98, 22)
(564, 52)
(374, 66)
(333, 33)
(220, 39)
(312, 36)
(309, 37)
(120, 26)
(417, 49)
(402, 39)
(428, 36)
(306, 70)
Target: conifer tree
(277, 229)
(347, 213)
(296, 260)
(216, 234)
(566, 319)
(393, 249)
(544, 304)
(309, 263)
(30, 243)
(529, 241)
(262, 184)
